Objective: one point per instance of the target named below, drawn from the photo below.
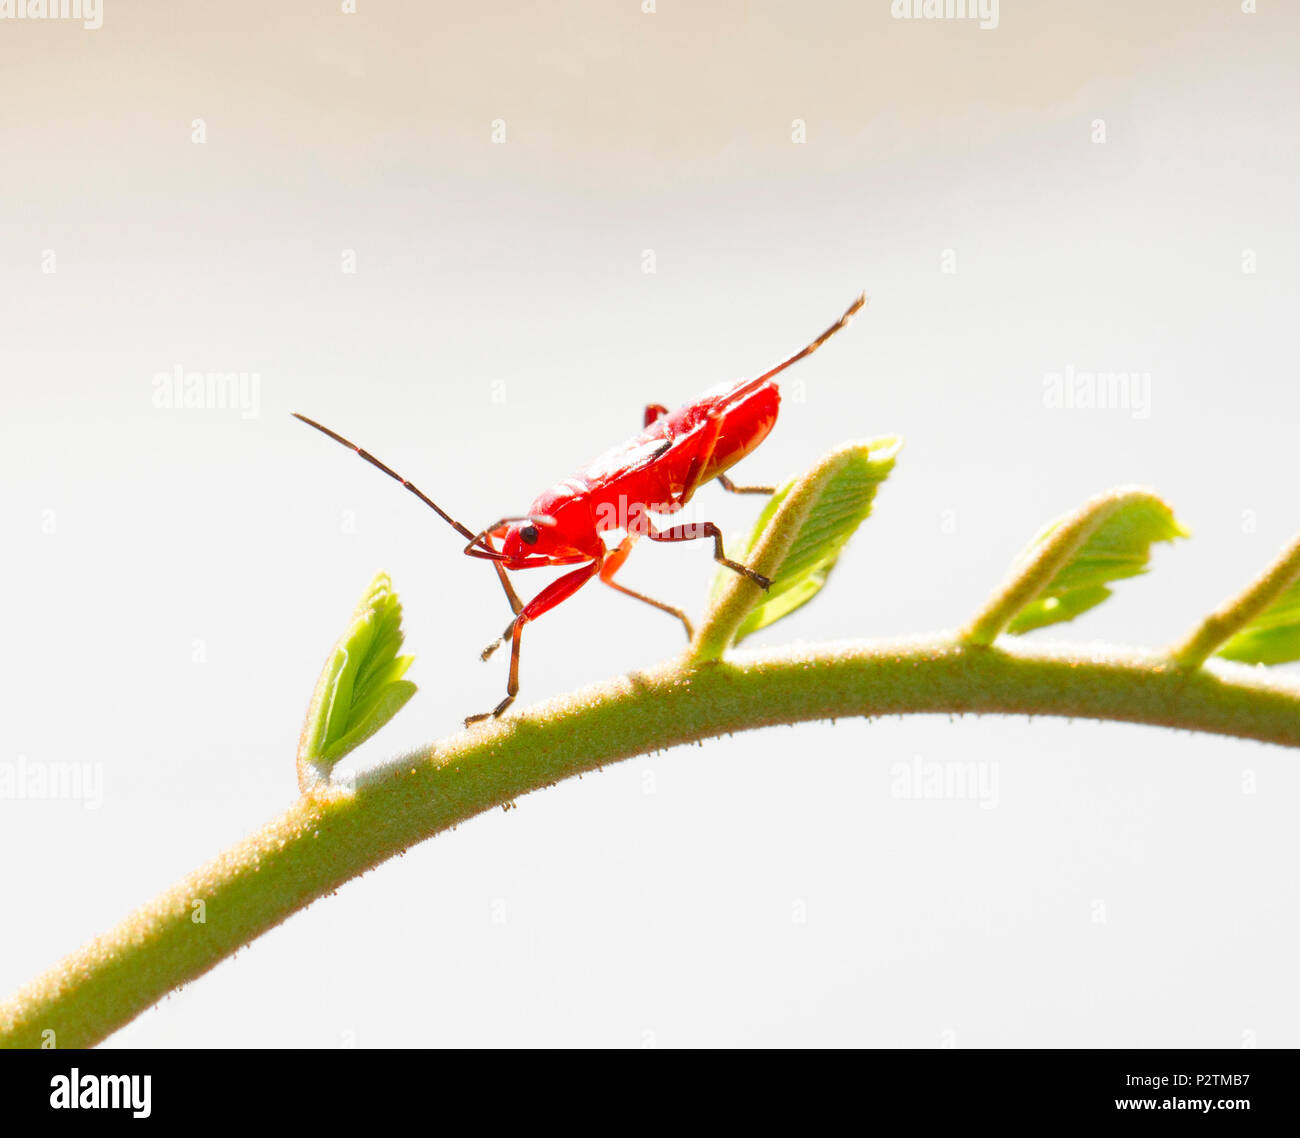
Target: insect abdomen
(745, 425)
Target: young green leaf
(361, 687)
(1119, 547)
(1260, 625)
(796, 541)
(1272, 637)
(1067, 569)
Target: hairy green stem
(331, 835)
(1233, 615)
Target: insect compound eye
(529, 535)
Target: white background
(498, 331)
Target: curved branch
(331, 835)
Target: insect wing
(627, 458)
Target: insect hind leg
(708, 529)
(731, 488)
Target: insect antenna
(808, 351)
(464, 531)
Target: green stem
(1233, 615)
(330, 835)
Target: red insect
(656, 472)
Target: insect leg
(614, 562)
(511, 596)
(731, 488)
(535, 563)
(515, 603)
(557, 591)
(708, 529)
(703, 453)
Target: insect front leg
(516, 605)
(708, 529)
(557, 591)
